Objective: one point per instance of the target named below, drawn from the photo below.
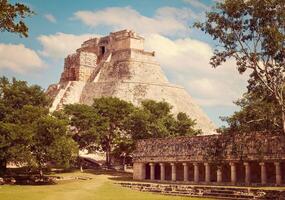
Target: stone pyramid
(117, 65)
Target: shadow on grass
(114, 175)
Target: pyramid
(117, 65)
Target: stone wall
(249, 146)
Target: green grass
(100, 187)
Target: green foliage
(51, 142)
(20, 106)
(12, 17)
(86, 125)
(14, 143)
(114, 112)
(100, 126)
(259, 112)
(113, 125)
(28, 134)
(154, 120)
(252, 33)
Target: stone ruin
(117, 65)
(229, 159)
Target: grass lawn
(100, 187)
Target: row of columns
(233, 172)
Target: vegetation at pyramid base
(252, 33)
(113, 125)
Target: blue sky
(59, 27)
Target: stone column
(247, 172)
(143, 171)
(219, 175)
(185, 171)
(233, 173)
(196, 172)
(162, 171)
(139, 171)
(207, 173)
(152, 171)
(173, 171)
(263, 173)
(278, 173)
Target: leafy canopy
(259, 112)
(28, 133)
(12, 17)
(113, 125)
(253, 33)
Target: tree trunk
(283, 119)
(124, 160)
(108, 158)
(3, 166)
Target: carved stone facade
(79, 66)
(238, 159)
(117, 65)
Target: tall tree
(12, 17)
(52, 143)
(28, 133)
(114, 112)
(259, 112)
(86, 125)
(100, 126)
(253, 33)
(20, 106)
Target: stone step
(208, 196)
(199, 191)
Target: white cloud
(197, 4)
(50, 18)
(19, 58)
(60, 45)
(166, 20)
(186, 62)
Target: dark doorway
(102, 50)
(157, 172)
(147, 171)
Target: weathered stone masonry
(118, 66)
(241, 159)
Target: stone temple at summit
(117, 65)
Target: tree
(100, 126)
(155, 120)
(52, 143)
(259, 112)
(253, 33)
(28, 133)
(86, 125)
(20, 106)
(114, 112)
(12, 17)
(114, 125)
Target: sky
(59, 27)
